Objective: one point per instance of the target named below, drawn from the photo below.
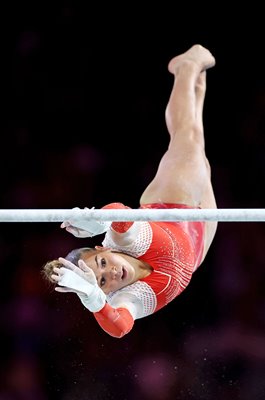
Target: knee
(190, 146)
(189, 161)
(189, 135)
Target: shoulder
(115, 206)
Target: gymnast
(142, 266)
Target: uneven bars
(60, 215)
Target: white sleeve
(139, 298)
(135, 242)
(128, 237)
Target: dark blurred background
(84, 90)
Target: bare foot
(198, 54)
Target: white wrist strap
(92, 297)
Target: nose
(113, 272)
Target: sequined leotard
(174, 251)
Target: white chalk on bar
(60, 215)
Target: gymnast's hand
(82, 281)
(82, 228)
(63, 278)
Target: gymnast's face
(112, 270)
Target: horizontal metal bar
(60, 215)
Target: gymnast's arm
(117, 318)
(121, 233)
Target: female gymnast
(142, 266)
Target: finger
(89, 273)
(86, 268)
(72, 230)
(76, 230)
(83, 266)
(66, 290)
(63, 290)
(67, 264)
(64, 224)
(56, 278)
(58, 270)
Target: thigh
(184, 181)
(180, 178)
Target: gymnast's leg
(183, 175)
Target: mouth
(123, 274)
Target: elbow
(118, 333)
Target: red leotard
(173, 249)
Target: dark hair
(76, 254)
